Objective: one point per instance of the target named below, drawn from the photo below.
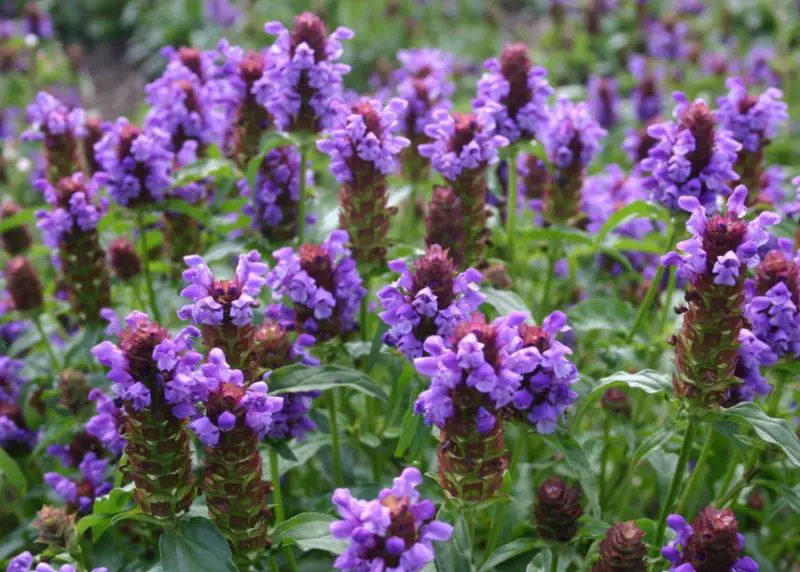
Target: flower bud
(444, 224)
(604, 100)
(56, 527)
(617, 401)
(18, 239)
(73, 389)
(623, 549)
(558, 509)
(95, 131)
(125, 261)
(497, 276)
(24, 286)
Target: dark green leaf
(196, 212)
(652, 442)
(592, 527)
(647, 380)
(556, 234)
(411, 425)
(577, 460)
(634, 210)
(601, 314)
(509, 551)
(505, 301)
(303, 452)
(12, 472)
(297, 378)
(770, 430)
(284, 451)
(205, 169)
(23, 217)
(195, 545)
(309, 531)
(542, 562)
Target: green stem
(730, 473)
(511, 205)
(774, 404)
(694, 479)
(146, 266)
(516, 456)
(548, 281)
(749, 474)
(677, 478)
(337, 452)
(54, 363)
(672, 279)
(301, 201)
(277, 496)
(554, 561)
(604, 459)
(653, 289)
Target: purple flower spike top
(363, 141)
(721, 245)
(752, 120)
(220, 302)
(148, 360)
(52, 121)
(136, 164)
(422, 82)
(394, 532)
(463, 143)
(604, 100)
(228, 404)
(13, 430)
(572, 137)
(106, 423)
(322, 284)
(429, 298)
(693, 156)
(304, 78)
(759, 67)
(667, 38)
(647, 92)
(711, 542)
(515, 93)
(80, 494)
(75, 207)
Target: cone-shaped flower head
(558, 508)
(18, 239)
(647, 91)
(322, 284)
(714, 261)
(760, 67)
(125, 261)
(693, 157)
(79, 493)
(56, 527)
(396, 531)
(24, 285)
(623, 549)
(304, 77)
(617, 401)
(96, 129)
(534, 183)
(429, 298)
(73, 391)
(753, 121)
(73, 453)
(572, 138)
(603, 100)
(711, 543)
(61, 129)
(667, 38)
(515, 93)
(136, 164)
(444, 222)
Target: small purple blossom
(603, 100)
(13, 429)
(223, 12)
(422, 82)
(647, 92)
(396, 531)
(572, 136)
(753, 121)
(81, 492)
(667, 39)
(759, 69)
(53, 121)
(77, 211)
(753, 355)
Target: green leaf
(199, 213)
(15, 476)
(411, 425)
(309, 531)
(556, 234)
(505, 301)
(770, 430)
(283, 451)
(195, 545)
(634, 210)
(542, 562)
(647, 380)
(205, 169)
(509, 551)
(605, 314)
(577, 460)
(303, 453)
(23, 217)
(115, 502)
(298, 378)
(651, 443)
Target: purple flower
(303, 81)
(752, 120)
(106, 423)
(228, 404)
(462, 143)
(10, 380)
(759, 69)
(24, 563)
(13, 429)
(429, 298)
(572, 136)
(363, 143)
(81, 492)
(37, 22)
(721, 246)
(647, 92)
(603, 100)
(136, 165)
(422, 82)
(53, 121)
(223, 12)
(693, 156)
(667, 39)
(217, 302)
(75, 208)
(753, 354)
(396, 531)
(322, 285)
(514, 93)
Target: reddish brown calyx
(435, 270)
(535, 336)
(138, 344)
(251, 68)
(444, 223)
(466, 127)
(66, 188)
(515, 65)
(125, 260)
(226, 400)
(623, 549)
(722, 235)
(776, 268)
(271, 347)
(714, 544)
(23, 284)
(699, 119)
(18, 239)
(309, 29)
(558, 510)
(402, 526)
(484, 332)
(192, 58)
(316, 262)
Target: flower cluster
(75, 208)
(558, 510)
(752, 120)
(711, 542)
(106, 424)
(760, 69)
(603, 100)
(136, 165)
(13, 429)
(753, 355)
(693, 157)
(61, 129)
(79, 494)
(304, 77)
(422, 82)
(429, 298)
(24, 285)
(396, 531)
(321, 283)
(514, 92)
(647, 92)
(667, 38)
(24, 563)
(623, 548)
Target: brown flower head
(623, 549)
(24, 285)
(558, 509)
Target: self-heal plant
(603, 100)
(60, 129)
(79, 494)
(396, 531)
(364, 151)
(444, 223)
(15, 435)
(429, 298)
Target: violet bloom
(77, 211)
(24, 563)
(37, 22)
(10, 329)
(106, 424)
(712, 541)
(396, 531)
(60, 128)
(667, 39)
(647, 91)
(422, 82)
(753, 355)
(429, 298)
(322, 285)
(148, 360)
(79, 494)
(304, 78)
(534, 184)
(223, 12)
(13, 430)
(515, 93)
(603, 100)
(10, 380)
(136, 165)
(228, 404)
(694, 156)
(759, 68)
